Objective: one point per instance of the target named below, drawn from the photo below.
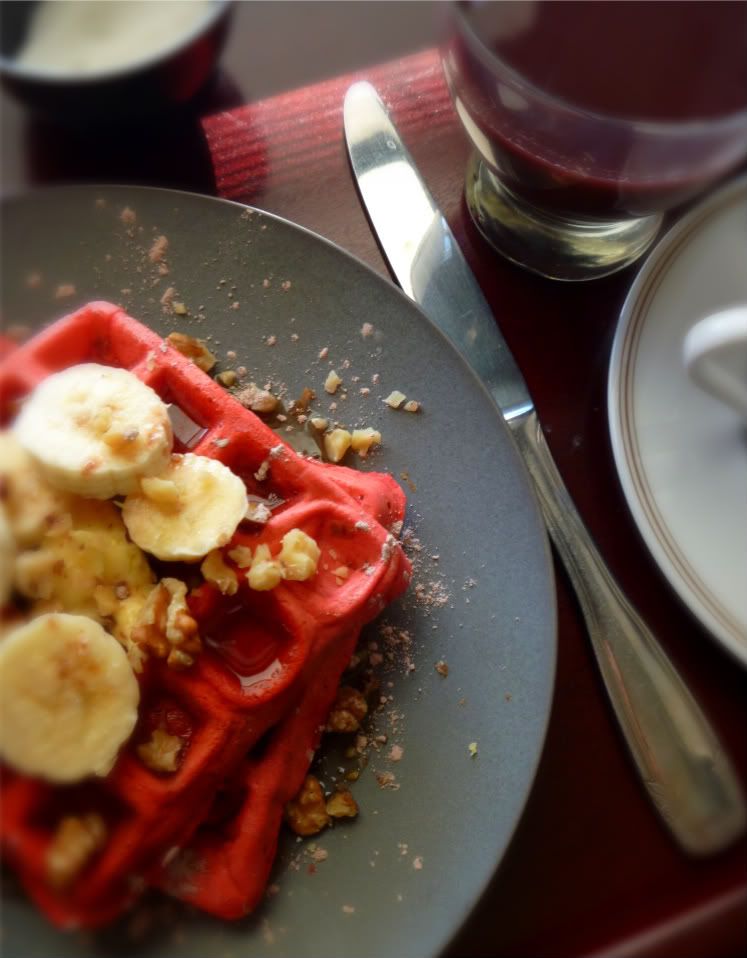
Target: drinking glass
(590, 120)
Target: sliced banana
(33, 507)
(209, 503)
(68, 698)
(95, 430)
(7, 557)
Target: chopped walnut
(215, 570)
(336, 444)
(158, 249)
(299, 555)
(342, 805)
(194, 349)
(261, 474)
(242, 556)
(387, 780)
(332, 382)
(167, 298)
(306, 814)
(265, 572)
(75, 841)
(304, 400)
(395, 399)
(227, 378)
(161, 752)
(348, 711)
(165, 628)
(257, 400)
(363, 439)
(257, 511)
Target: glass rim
(701, 125)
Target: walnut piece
(257, 511)
(75, 842)
(257, 400)
(342, 805)
(165, 628)
(304, 400)
(363, 439)
(336, 444)
(348, 711)
(194, 349)
(306, 814)
(299, 555)
(215, 570)
(227, 378)
(332, 382)
(242, 556)
(161, 752)
(297, 561)
(265, 572)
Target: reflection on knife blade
(679, 758)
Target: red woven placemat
(244, 157)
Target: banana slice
(33, 507)
(194, 508)
(7, 557)
(95, 430)
(68, 698)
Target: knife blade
(680, 760)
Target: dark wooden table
(591, 871)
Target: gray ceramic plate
(402, 878)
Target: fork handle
(682, 764)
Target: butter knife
(676, 751)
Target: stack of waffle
(250, 711)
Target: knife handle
(679, 757)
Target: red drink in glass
(600, 112)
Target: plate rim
(551, 652)
(635, 310)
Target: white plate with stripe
(682, 455)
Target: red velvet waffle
(224, 868)
(289, 646)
